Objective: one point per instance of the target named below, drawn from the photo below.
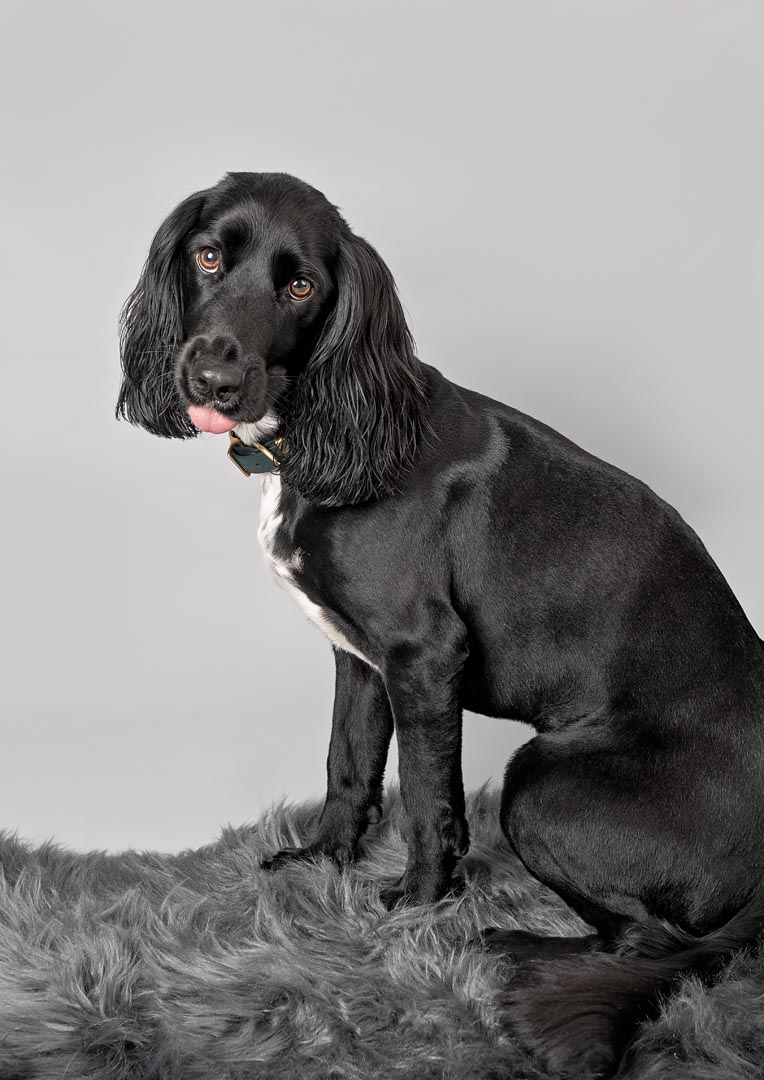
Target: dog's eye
(300, 288)
(209, 260)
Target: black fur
(473, 557)
(344, 360)
(152, 329)
(357, 411)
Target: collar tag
(259, 458)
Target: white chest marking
(270, 521)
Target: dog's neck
(254, 448)
(261, 431)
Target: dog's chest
(287, 560)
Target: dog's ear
(151, 327)
(358, 407)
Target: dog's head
(259, 309)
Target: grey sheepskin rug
(200, 966)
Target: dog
(459, 554)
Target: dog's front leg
(362, 726)
(424, 690)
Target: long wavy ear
(151, 328)
(358, 407)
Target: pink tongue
(208, 420)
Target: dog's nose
(221, 383)
(213, 367)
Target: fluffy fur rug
(200, 966)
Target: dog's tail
(577, 1014)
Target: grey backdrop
(570, 197)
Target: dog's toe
(523, 945)
(286, 855)
(394, 895)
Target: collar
(258, 458)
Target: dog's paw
(394, 895)
(413, 888)
(338, 854)
(522, 945)
(287, 855)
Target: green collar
(260, 458)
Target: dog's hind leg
(554, 817)
(654, 854)
(362, 726)
(613, 817)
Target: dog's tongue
(207, 419)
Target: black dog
(460, 554)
